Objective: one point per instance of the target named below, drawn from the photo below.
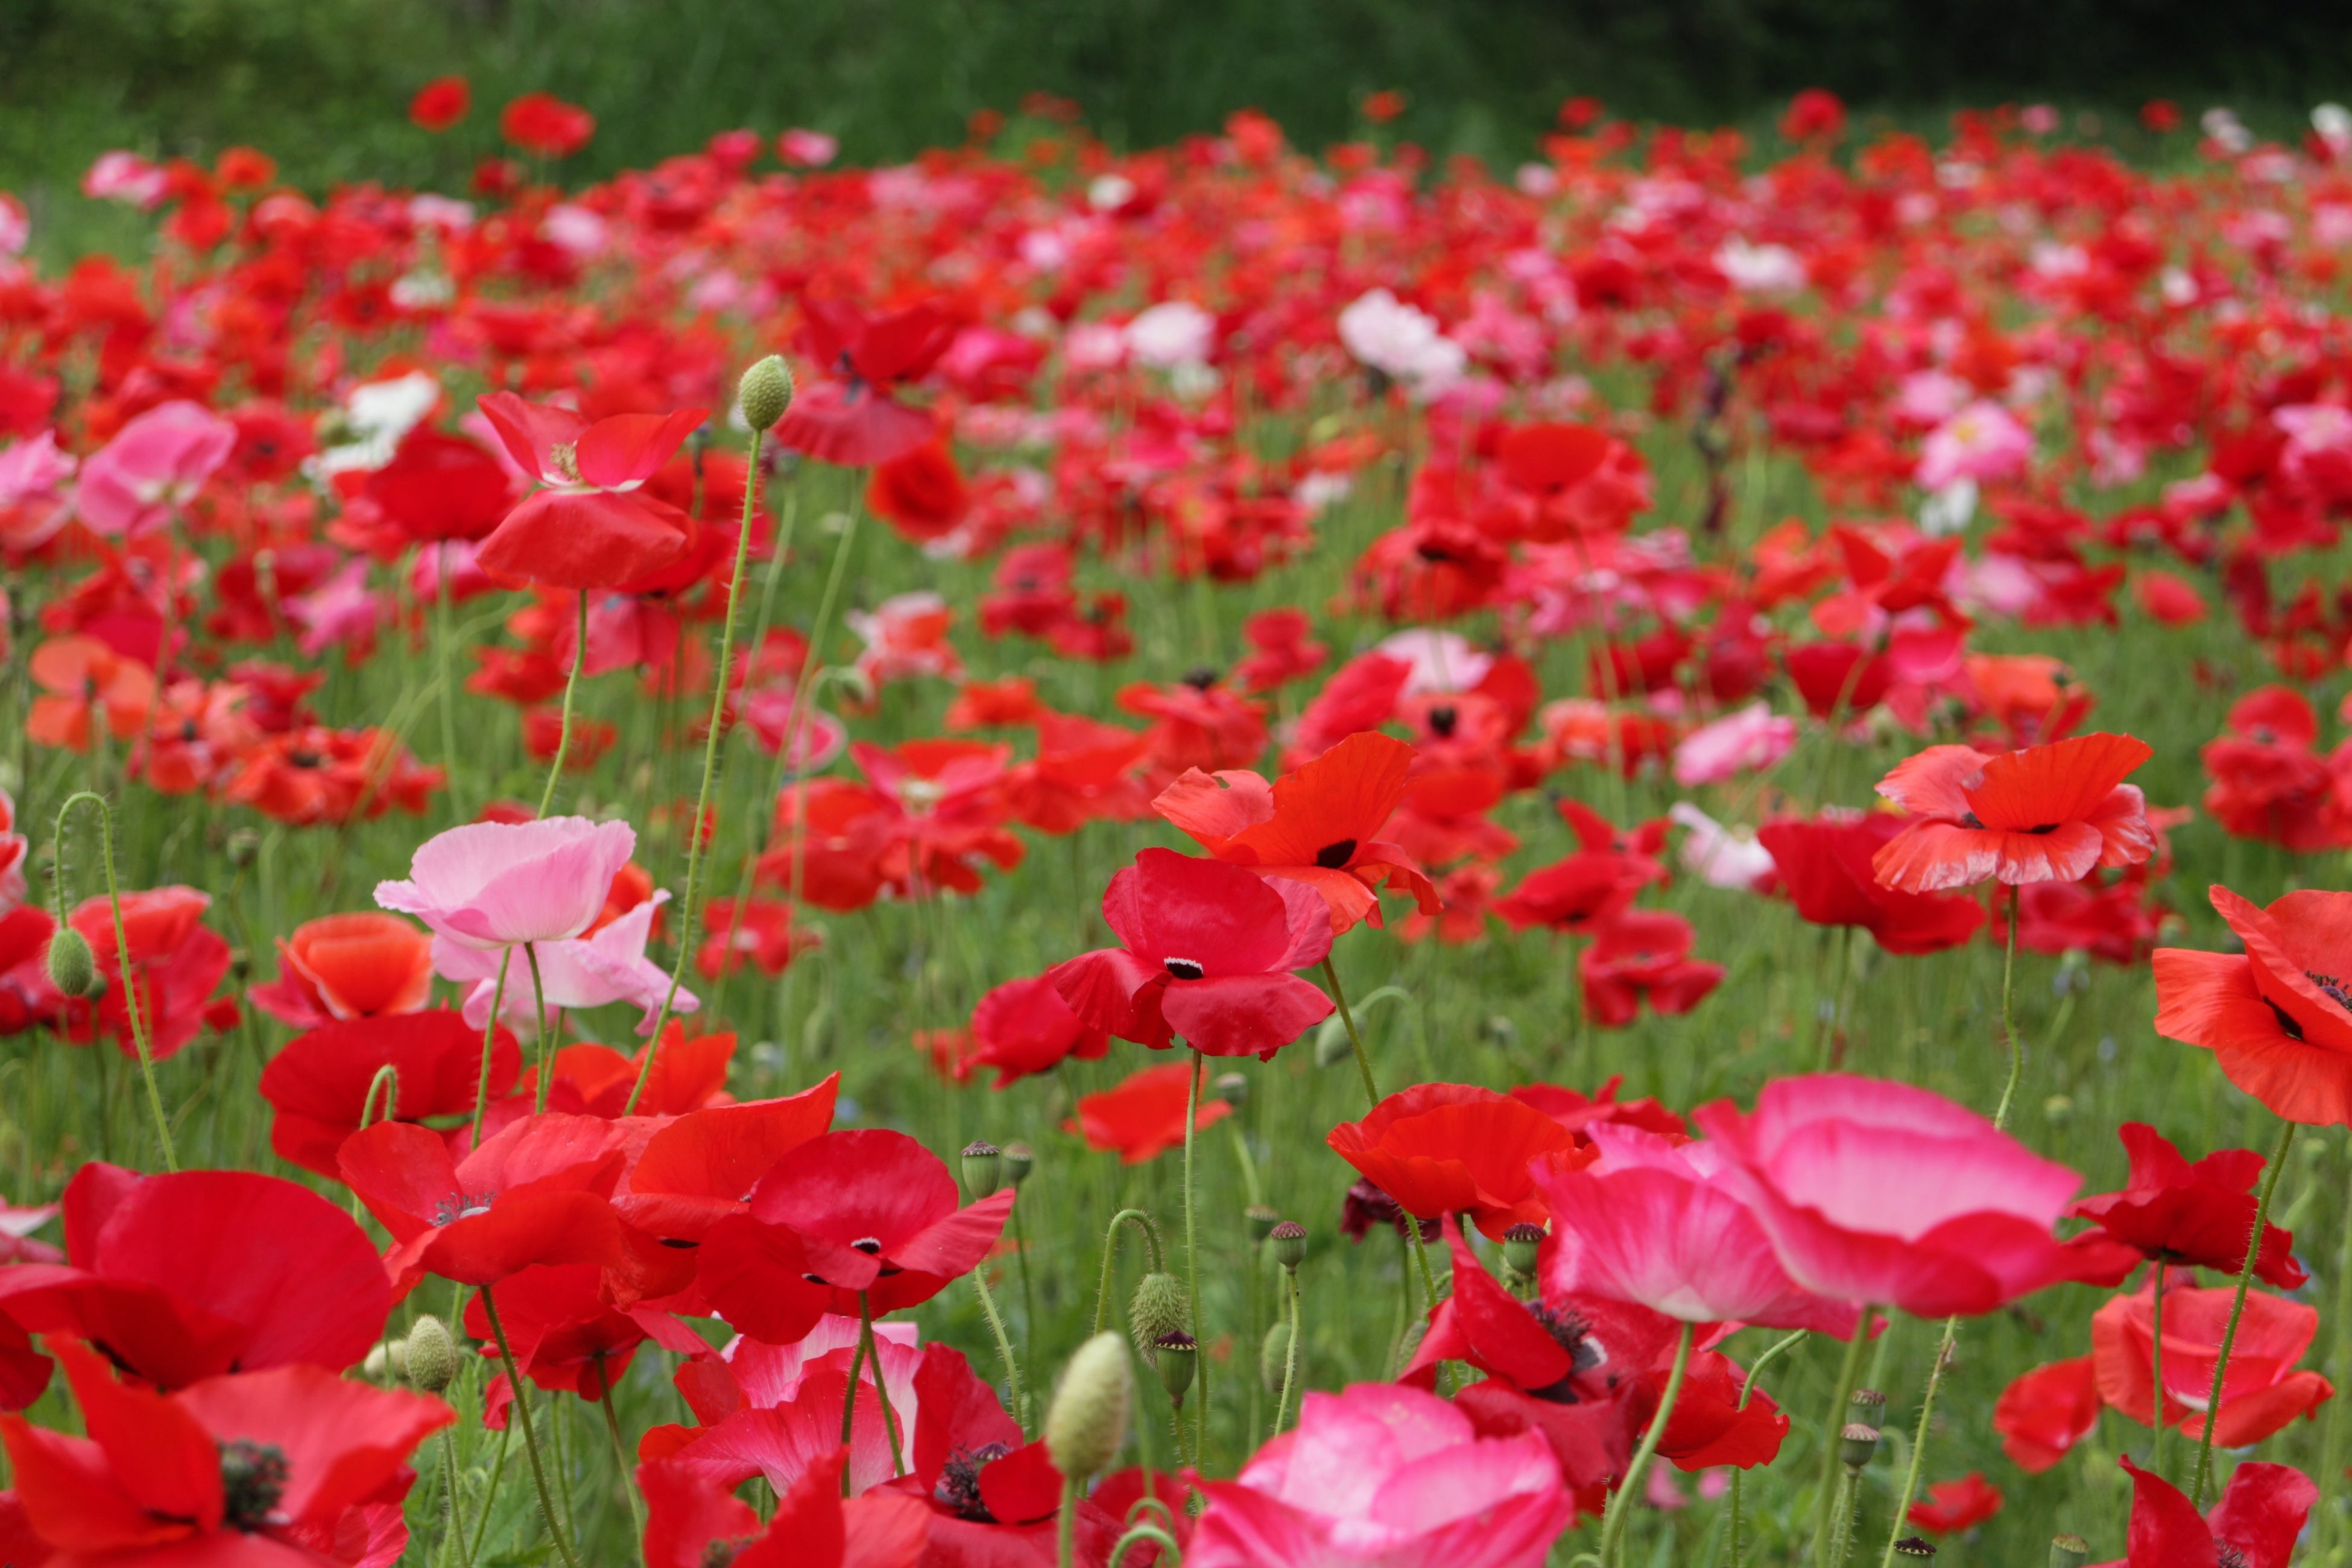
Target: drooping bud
(1087, 1420)
(1175, 1353)
(1019, 1161)
(1290, 1240)
(1232, 1088)
(2068, 1551)
(432, 1355)
(1273, 1354)
(1856, 1444)
(1519, 1245)
(765, 391)
(983, 1169)
(1159, 1306)
(1261, 1220)
(73, 968)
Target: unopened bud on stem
(1087, 1420)
(765, 391)
(73, 968)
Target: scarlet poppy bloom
(566, 1336)
(1952, 1507)
(539, 1191)
(1023, 1027)
(1143, 1118)
(1825, 868)
(1316, 825)
(850, 417)
(441, 103)
(2256, 1524)
(2268, 781)
(2277, 1016)
(347, 966)
(2044, 1412)
(177, 962)
(441, 487)
(1580, 1112)
(543, 124)
(1582, 892)
(290, 1465)
(592, 526)
(2052, 812)
(920, 493)
(2196, 1215)
(1283, 651)
(691, 1520)
(696, 1170)
(319, 1084)
(80, 679)
(1209, 951)
(848, 1216)
(187, 1275)
(1083, 772)
(2264, 1393)
(1638, 954)
(1452, 1148)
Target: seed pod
(1159, 1306)
(1087, 1420)
(2068, 1551)
(1272, 1355)
(1290, 1240)
(1915, 1549)
(1866, 1405)
(73, 968)
(1261, 1220)
(765, 391)
(1232, 1088)
(1856, 1444)
(1519, 1245)
(983, 1169)
(432, 1355)
(1019, 1161)
(1175, 1353)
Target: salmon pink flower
(2277, 1016)
(1143, 1118)
(347, 966)
(2198, 1214)
(319, 1084)
(1208, 955)
(593, 526)
(1983, 442)
(81, 679)
(2047, 814)
(2264, 1393)
(2256, 1524)
(156, 464)
(1749, 741)
(492, 884)
(1452, 1148)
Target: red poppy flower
(869, 1214)
(1083, 772)
(1210, 948)
(2264, 1393)
(1825, 866)
(2256, 1524)
(2115, 924)
(82, 678)
(2052, 812)
(2277, 1017)
(2197, 1215)
(592, 526)
(2044, 1412)
(439, 487)
(1452, 1148)
(1317, 824)
(176, 962)
(566, 1336)
(347, 966)
(597, 1081)
(758, 929)
(544, 125)
(1583, 891)
(441, 103)
(292, 1466)
(1578, 1112)
(187, 1275)
(920, 493)
(1023, 1027)
(1638, 954)
(1952, 1507)
(695, 1171)
(693, 1520)
(537, 1191)
(1283, 651)
(2268, 782)
(318, 1086)
(850, 418)
(1143, 1118)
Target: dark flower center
(1185, 968)
(2333, 986)
(253, 1480)
(1572, 1334)
(1441, 720)
(1200, 679)
(869, 1246)
(461, 1205)
(1335, 856)
(720, 1554)
(959, 1488)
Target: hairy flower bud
(1159, 1306)
(1087, 1420)
(432, 1355)
(983, 1169)
(73, 968)
(765, 391)
(1272, 1355)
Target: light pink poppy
(1384, 1474)
(1983, 442)
(17, 1229)
(1889, 1195)
(608, 966)
(1655, 1225)
(155, 464)
(1749, 741)
(495, 884)
(33, 506)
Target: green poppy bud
(1232, 1088)
(1160, 1306)
(1261, 1220)
(432, 1355)
(73, 968)
(1087, 1420)
(765, 391)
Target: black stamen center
(253, 1480)
(1334, 857)
(1185, 968)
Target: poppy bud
(1856, 1444)
(2058, 1110)
(73, 968)
(983, 1169)
(1519, 1245)
(1272, 1355)
(1159, 1306)
(1087, 1420)
(1332, 1046)
(1867, 1406)
(432, 1355)
(244, 847)
(1175, 1354)
(1914, 1548)
(2068, 1551)
(378, 1365)
(1289, 1244)
(1261, 1221)
(1019, 1161)
(1232, 1088)
(765, 391)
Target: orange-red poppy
(2277, 1016)
(2047, 814)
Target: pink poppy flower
(1656, 1224)
(1749, 741)
(495, 884)
(1390, 1475)
(1983, 442)
(1886, 1193)
(606, 966)
(155, 464)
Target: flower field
(1213, 854)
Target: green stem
(497, 1474)
(1919, 1438)
(881, 1390)
(1003, 1342)
(2331, 1447)
(121, 952)
(444, 638)
(1291, 1353)
(2237, 1311)
(1825, 1498)
(620, 1445)
(453, 1523)
(1628, 1495)
(849, 1410)
(1142, 1221)
(522, 1393)
(1355, 1040)
(694, 829)
(489, 1039)
(2155, 1368)
(546, 1045)
(2008, 1020)
(1066, 1525)
(1137, 1535)
(1192, 1251)
(570, 687)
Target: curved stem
(1355, 1040)
(2237, 1311)
(1919, 1438)
(522, 1393)
(2009, 1020)
(1747, 1389)
(881, 1391)
(387, 1078)
(2155, 1368)
(121, 956)
(1004, 1343)
(1192, 1251)
(489, 1040)
(570, 687)
(1111, 1250)
(1825, 1500)
(1137, 1534)
(1628, 1495)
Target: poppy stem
(546, 1045)
(522, 1393)
(881, 1393)
(1289, 1353)
(1355, 1040)
(490, 1038)
(1849, 1369)
(1142, 1221)
(1919, 1438)
(1193, 1247)
(386, 1074)
(1066, 1525)
(1747, 1389)
(2237, 1309)
(1629, 1494)
(849, 1408)
(620, 1445)
(2009, 1020)
(2331, 1447)
(1003, 1344)
(122, 959)
(1139, 1534)
(443, 636)
(453, 1523)
(2155, 1369)
(570, 687)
